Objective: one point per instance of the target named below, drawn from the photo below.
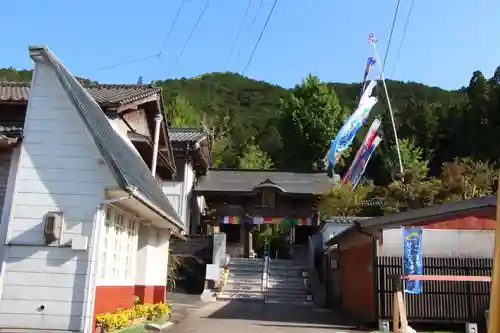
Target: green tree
(311, 116)
(342, 200)
(254, 158)
(465, 178)
(182, 114)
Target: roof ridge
(268, 170)
(186, 129)
(14, 84)
(119, 85)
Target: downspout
(91, 281)
(158, 120)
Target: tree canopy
(447, 138)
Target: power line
(157, 55)
(252, 24)
(172, 26)
(128, 62)
(260, 36)
(390, 35)
(239, 30)
(402, 38)
(192, 31)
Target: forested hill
(259, 125)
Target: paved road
(254, 317)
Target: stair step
(241, 296)
(291, 292)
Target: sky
(445, 41)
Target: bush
(122, 318)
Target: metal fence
(441, 301)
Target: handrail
(265, 277)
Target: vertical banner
(360, 167)
(365, 145)
(412, 258)
(353, 123)
(370, 62)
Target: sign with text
(412, 258)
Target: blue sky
(445, 42)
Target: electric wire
(251, 25)
(151, 56)
(172, 26)
(200, 17)
(390, 35)
(398, 53)
(260, 36)
(239, 30)
(128, 62)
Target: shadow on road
(280, 313)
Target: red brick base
(150, 294)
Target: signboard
(412, 258)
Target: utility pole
(494, 310)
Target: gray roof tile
(104, 94)
(130, 171)
(187, 135)
(247, 180)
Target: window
(119, 247)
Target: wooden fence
(441, 301)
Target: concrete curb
(159, 327)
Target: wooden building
(457, 240)
(242, 200)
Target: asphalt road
(246, 317)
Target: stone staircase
(286, 283)
(244, 281)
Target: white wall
(442, 243)
(59, 169)
(152, 256)
(178, 194)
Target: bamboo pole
(494, 313)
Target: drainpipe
(158, 120)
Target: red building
(457, 240)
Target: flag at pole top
(372, 38)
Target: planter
(99, 329)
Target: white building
(85, 224)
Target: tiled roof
(218, 180)
(11, 131)
(14, 91)
(186, 135)
(104, 94)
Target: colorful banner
(284, 220)
(360, 168)
(352, 124)
(370, 62)
(230, 220)
(412, 258)
(365, 145)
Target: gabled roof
(230, 180)
(128, 168)
(104, 94)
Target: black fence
(441, 301)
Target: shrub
(122, 318)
